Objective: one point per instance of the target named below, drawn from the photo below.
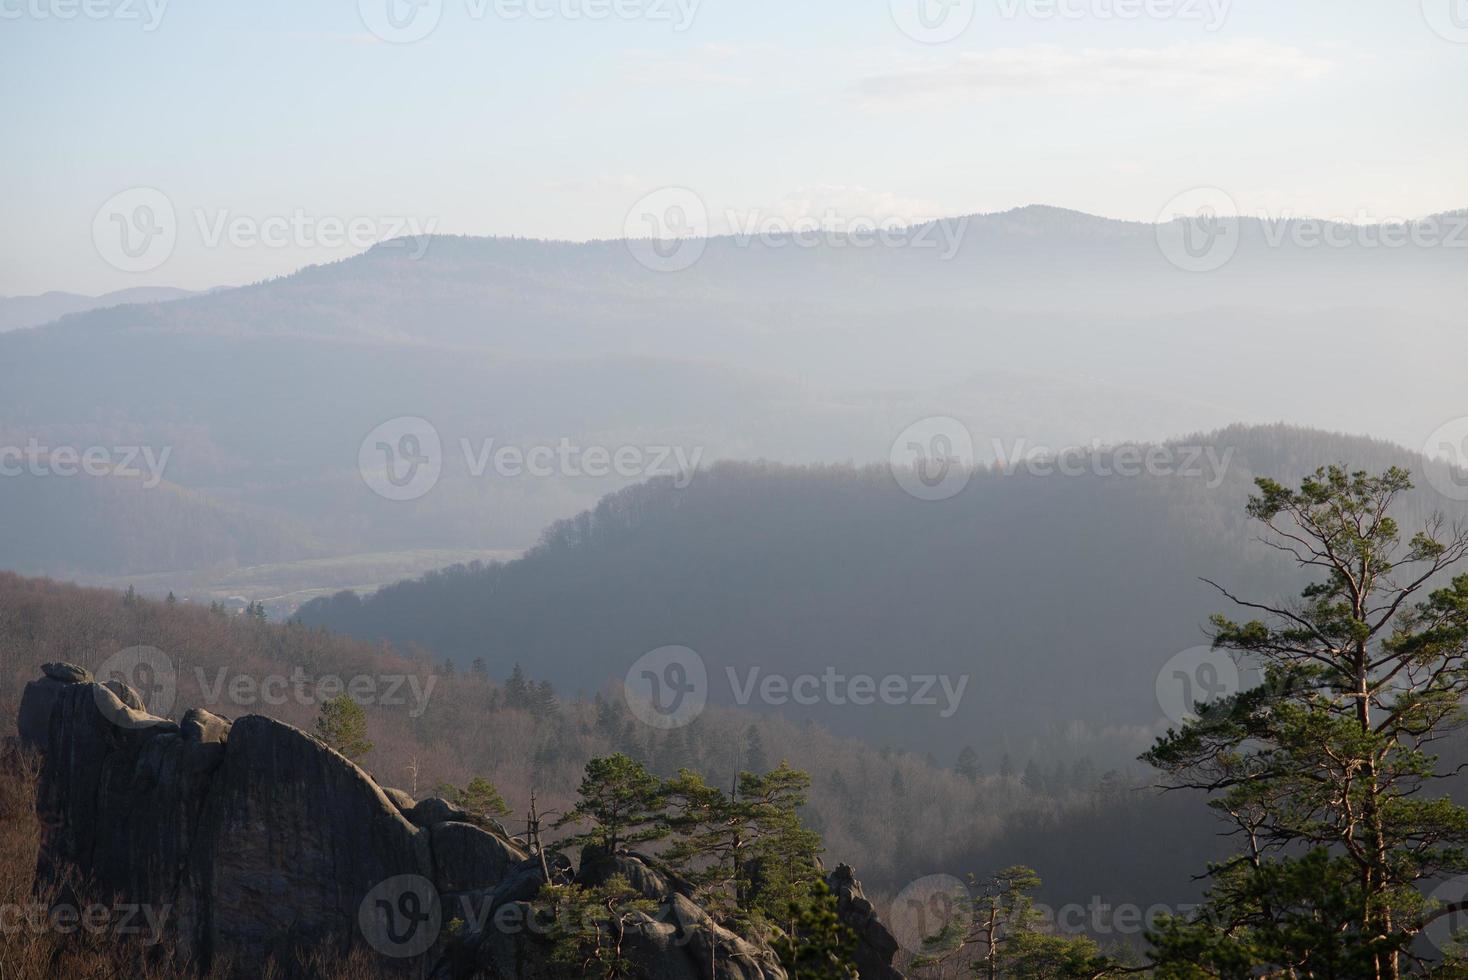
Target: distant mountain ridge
(17, 312)
(1047, 326)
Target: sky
(153, 143)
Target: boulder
(400, 799)
(496, 921)
(126, 694)
(66, 673)
(205, 727)
(644, 873)
(466, 857)
(427, 813)
(703, 941)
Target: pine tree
(1326, 768)
(543, 702)
(1083, 775)
(482, 798)
(1014, 941)
(755, 760)
(517, 690)
(610, 716)
(587, 925)
(967, 765)
(748, 853)
(1033, 779)
(621, 801)
(819, 945)
(342, 725)
(1057, 779)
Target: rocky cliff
(252, 840)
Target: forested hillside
(1068, 592)
(900, 815)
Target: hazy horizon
(1012, 453)
(1102, 106)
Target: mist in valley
(667, 490)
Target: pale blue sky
(555, 127)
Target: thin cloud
(1213, 70)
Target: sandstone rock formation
(679, 941)
(876, 946)
(254, 840)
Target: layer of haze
(554, 127)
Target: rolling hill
(1060, 599)
(1047, 326)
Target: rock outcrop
(645, 874)
(678, 941)
(251, 837)
(876, 946)
(252, 840)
